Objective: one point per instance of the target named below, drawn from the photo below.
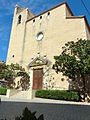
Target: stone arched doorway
(36, 69)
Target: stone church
(35, 40)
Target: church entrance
(37, 78)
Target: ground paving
(51, 109)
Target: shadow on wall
(77, 85)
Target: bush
(28, 115)
(3, 91)
(58, 95)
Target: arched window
(40, 17)
(48, 13)
(19, 19)
(33, 20)
(13, 56)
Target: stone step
(22, 95)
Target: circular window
(39, 36)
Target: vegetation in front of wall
(8, 73)
(3, 91)
(74, 63)
(28, 115)
(58, 95)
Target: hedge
(3, 91)
(58, 95)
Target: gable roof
(1, 62)
(38, 61)
(52, 9)
(70, 17)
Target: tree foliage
(74, 61)
(10, 72)
(28, 115)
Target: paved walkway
(41, 100)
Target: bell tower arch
(18, 31)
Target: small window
(39, 36)
(19, 19)
(13, 56)
(48, 13)
(34, 21)
(40, 17)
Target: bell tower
(18, 32)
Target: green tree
(24, 79)
(6, 74)
(74, 61)
(10, 72)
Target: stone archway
(37, 68)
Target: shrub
(3, 91)
(58, 95)
(28, 115)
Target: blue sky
(36, 6)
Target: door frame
(37, 78)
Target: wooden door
(37, 79)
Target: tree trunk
(84, 86)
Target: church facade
(35, 40)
